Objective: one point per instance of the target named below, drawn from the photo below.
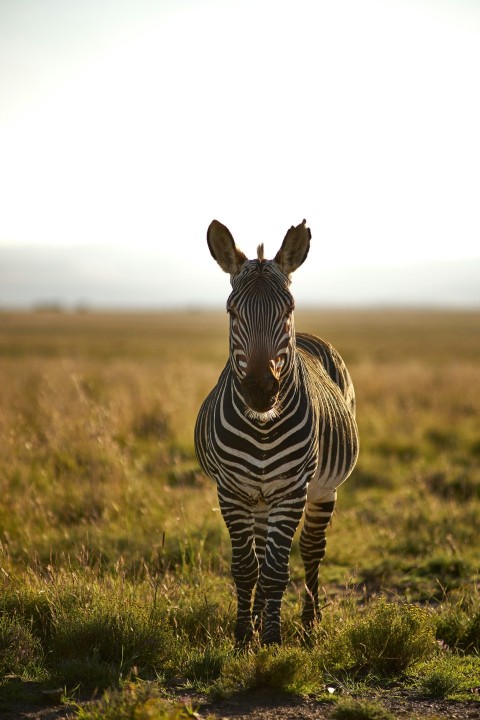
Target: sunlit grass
(114, 559)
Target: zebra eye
(287, 319)
(232, 312)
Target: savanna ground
(114, 560)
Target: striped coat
(277, 434)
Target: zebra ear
(223, 249)
(295, 247)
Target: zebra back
(332, 362)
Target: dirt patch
(268, 705)
(264, 704)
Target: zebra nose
(266, 383)
(270, 383)
(260, 391)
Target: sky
(127, 126)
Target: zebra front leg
(283, 521)
(239, 521)
(261, 531)
(312, 549)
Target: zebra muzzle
(260, 392)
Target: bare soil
(264, 704)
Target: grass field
(114, 560)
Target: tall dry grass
(101, 497)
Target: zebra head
(262, 336)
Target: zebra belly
(337, 456)
(319, 487)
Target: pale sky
(126, 127)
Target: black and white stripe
(277, 433)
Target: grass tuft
(205, 664)
(385, 639)
(392, 637)
(350, 709)
(289, 670)
(113, 624)
(138, 701)
(439, 682)
(458, 622)
(20, 652)
(449, 676)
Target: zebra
(277, 434)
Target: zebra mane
(260, 255)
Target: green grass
(139, 701)
(381, 640)
(20, 651)
(114, 559)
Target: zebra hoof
(243, 636)
(305, 637)
(308, 624)
(271, 638)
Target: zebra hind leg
(312, 549)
